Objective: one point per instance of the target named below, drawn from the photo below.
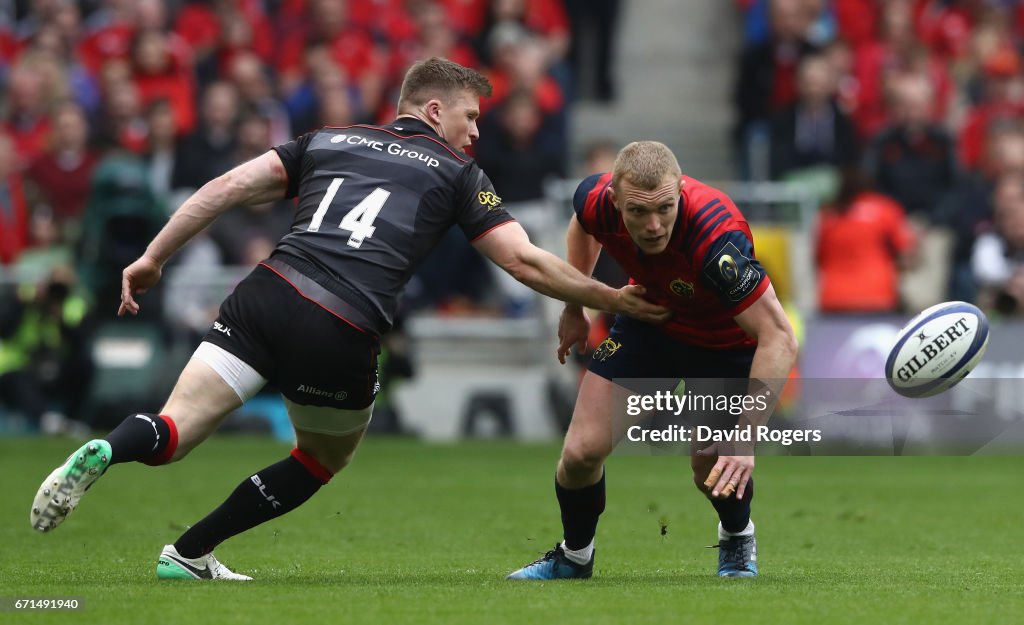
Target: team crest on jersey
(681, 287)
(606, 350)
(735, 274)
(488, 199)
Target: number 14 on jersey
(359, 220)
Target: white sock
(747, 531)
(579, 556)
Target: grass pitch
(415, 533)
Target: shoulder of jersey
(706, 213)
(594, 206)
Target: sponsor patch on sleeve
(731, 268)
(488, 199)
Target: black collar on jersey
(414, 125)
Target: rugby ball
(937, 349)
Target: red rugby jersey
(708, 273)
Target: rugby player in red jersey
(688, 244)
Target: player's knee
(331, 459)
(183, 448)
(334, 463)
(332, 452)
(582, 458)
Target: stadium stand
(115, 110)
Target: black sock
(276, 490)
(142, 438)
(580, 511)
(735, 513)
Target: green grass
(415, 533)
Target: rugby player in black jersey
(373, 201)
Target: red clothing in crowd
(465, 16)
(353, 50)
(65, 185)
(546, 17)
(857, 255)
(547, 94)
(979, 121)
(201, 27)
(13, 220)
(944, 27)
(872, 63)
(29, 134)
(175, 86)
(857, 21)
(8, 47)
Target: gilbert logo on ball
(937, 349)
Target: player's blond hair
(645, 164)
(441, 79)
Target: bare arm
(509, 247)
(766, 321)
(582, 250)
(573, 323)
(258, 181)
(776, 352)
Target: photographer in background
(45, 367)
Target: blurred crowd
(179, 92)
(906, 117)
(114, 111)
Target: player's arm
(582, 251)
(582, 247)
(732, 270)
(774, 357)
(258, 181)
(509, 247)
(766, 321)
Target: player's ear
(433, 109)
(612, 197)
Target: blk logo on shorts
(223, 329)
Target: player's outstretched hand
(731, 473)
(136, 279)
(573, 329)
(631, 303)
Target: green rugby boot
(61, 491)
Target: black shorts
(644, 360)
(314, 357)
(640, 350)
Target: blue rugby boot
(554, 565)
(737, 555)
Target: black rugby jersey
(373, 202)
